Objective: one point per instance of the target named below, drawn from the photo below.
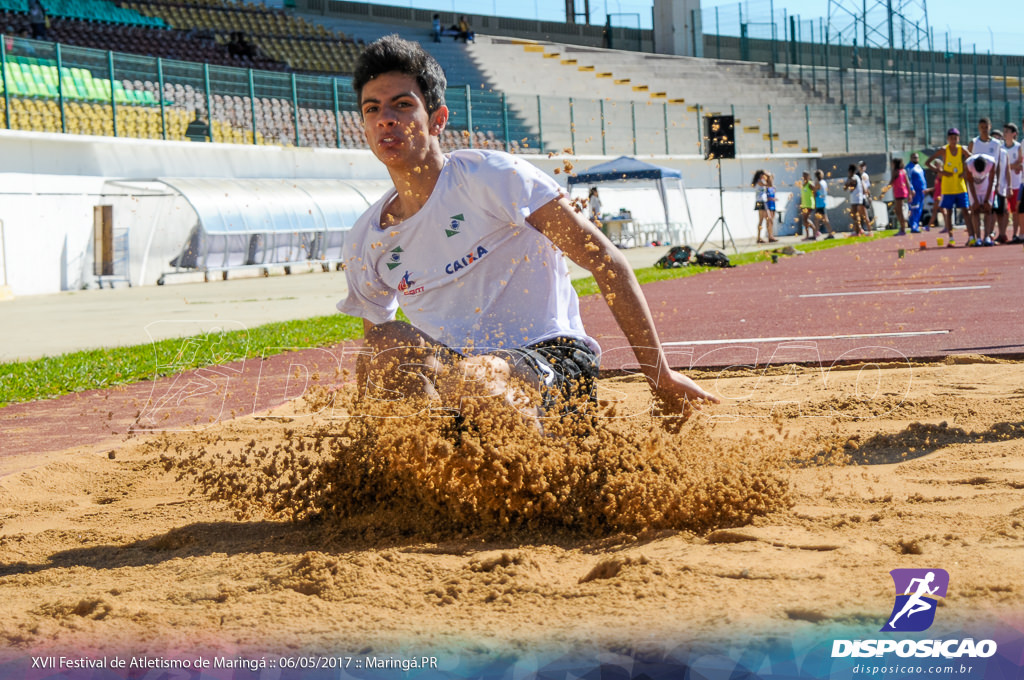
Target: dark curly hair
(392, 53)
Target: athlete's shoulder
(476, 159)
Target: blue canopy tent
(626, 170)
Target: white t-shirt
(866, 182)
(982, 188)
(1011, 178)
(467, 269)
(989, 148)
(595, 207)
(857, 192)
(1001, 177)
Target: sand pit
(779, 512)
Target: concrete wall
(51, 183)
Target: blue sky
(988, 31)
(1001, 32)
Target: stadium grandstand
(290, 84)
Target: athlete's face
(1010, 136)
(953, 140)
(395, 120)
(983, 129)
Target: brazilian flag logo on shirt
(396, 258)
(454, 225)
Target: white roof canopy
(235, 207)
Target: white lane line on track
(892, 292)
(854, 336)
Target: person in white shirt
(867, 208)
(858, 217)
(469, 245)
(1011, 181)
(983, 217)
(981, 187)
(594, 203)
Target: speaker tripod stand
(721, 216)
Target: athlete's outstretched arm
(588, 247)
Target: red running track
(937, 301)
(927, 305)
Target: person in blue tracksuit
(918, 188)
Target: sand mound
(400, 468)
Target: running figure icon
(916, 603)
(917, 592)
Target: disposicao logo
(917, 593)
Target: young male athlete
(1009, 183)
(983, 216)
(953, 185)
(981, 186)
(469, 245)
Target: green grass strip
(100, 368)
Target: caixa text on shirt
(464, 262)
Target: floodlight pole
(721, 216)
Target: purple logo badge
(917, 593)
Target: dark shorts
(999, 205)
(566, 367)
(819, 211)
(759, 205)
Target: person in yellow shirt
(806, 207)
(951, 173)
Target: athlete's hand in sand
(677, 395)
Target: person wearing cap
(867, 208)
(951, 174)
